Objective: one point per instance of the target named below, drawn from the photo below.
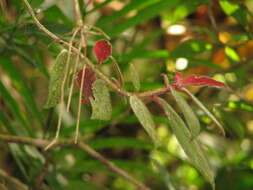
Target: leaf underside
(190, 146)
(56, 78)
(190, 117)
(145, 118)
(101, 104)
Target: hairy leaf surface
(101, 104)
(56, 78)
(190, 117)
(190, 146)
(145, 118)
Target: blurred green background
(203, 37)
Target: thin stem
(118, 71)
(41, 175)
(73, 77)
(15, 182)
(112, 166)
(41, 27)
(43, 143)
(66, 73)
(211, 17)
(89, 63)
(79, 19)
(80, 95)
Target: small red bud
(102, 50)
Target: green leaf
(56, 78)
(190, 117)
(204, 62)
(142, 15)
(81, 184)
(134, 77)
(99, 6)
(183, 10)
(114, 142)
(236, 10)
(145, 118)
(101, 104)
(164, 175)
(233, 123)
(55, 15)
(12, 104)
(240, 105)
(191, 48)
(20, 84)
(4, 121)
(145, 54)
(133, 5)
(232, 54)
(207, 112)
(190, 146)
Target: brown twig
(41, 175)
(82, 43)
(79, 19)
(15, 182)
(118, 71)
(89, 63)
(211, 17)
(112, 166)
(60, 143)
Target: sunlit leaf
(207, 112)
(235, 9)
(101, 104)
(190, 48)
(190, 146)
(134, 76)
(185, 8)
(232, 54)
(56, 78)
(190, 117)
(145, 118)
(142, 15)
(132, 5)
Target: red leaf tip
(102, 50)
(193, 80)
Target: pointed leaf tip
(190, 117)
(145, 118)
(191, 147)
(56, 74)
(193, 80)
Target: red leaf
(178, 80)
(102, 50)
(194, 80)
(89, 79)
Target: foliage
(101, 81)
